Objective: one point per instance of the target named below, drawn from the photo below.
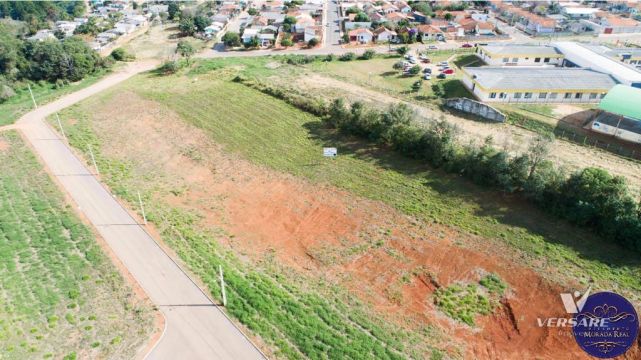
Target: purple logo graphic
(606, 326)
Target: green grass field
(269, 132)
(59, 295)
(43, 92)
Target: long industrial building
(537, 84)
(580, 55)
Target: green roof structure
(623, 100)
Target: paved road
(195, 328)
(332, 25)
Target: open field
(59, 294)
(233, 176)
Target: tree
(368, 54)
(59, 34)
(120, 54)
(402, 50)
(414, 70)
(287, 41)
(186, 25)
(231, 39)
(173, 10)
(252, 11)
(312, 42)
(253, 43)
(399, 65)
(90, 27)
(361, 17)
(448, 16)
(417, 85)
(538, 151)
(201, 22)
(422, 7)
(52, 60)
(185, 49)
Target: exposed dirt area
(4, 146)
(512, 138)
(387, 259)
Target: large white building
(578, 55)
(519, 55)
(537, 84)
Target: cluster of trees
(38, 14)
(53, 61)
(360, 15)
(590, 198)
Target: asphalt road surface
(195, 328)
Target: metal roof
(521, 50)
(521, 78)
(586, 57)
(623, 100)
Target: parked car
(466, 45)
(426, 60)
(443, 63)
(448, 71)
(441, 76)
(427, 71)
(427, 77)
(412, 60)
(432, 47)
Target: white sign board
(330, 152)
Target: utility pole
(32, 98)
(62, 131)
(93, 159)
(222, 285)
(142, 208)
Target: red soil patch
(384, 257)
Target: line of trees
(590, 198)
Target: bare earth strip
(195, 327)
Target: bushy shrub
(347, 56)
(368, 54)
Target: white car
(433, 47)
(427, 77)
(443, 63)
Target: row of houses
(270, 17)
(535, 19)
(386, 20)
(561, 72)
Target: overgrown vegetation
(464, 302)
(60, 295)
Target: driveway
(195, 327)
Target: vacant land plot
(305, 232)
(59, 295)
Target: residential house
(484, 28)
(312, 32)
(420, 17)
(383, 34)
(248, 35)
(429, 32)
(303, 21)
(361, 35)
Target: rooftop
(520, 78)
(521, 50)
(623, 100)
(585, 57)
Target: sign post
(331, 152)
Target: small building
(519, 55)
(537, 84)
(361, 35)
(42, 35)
(620, 114)
(248, 35)
(429, 32)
